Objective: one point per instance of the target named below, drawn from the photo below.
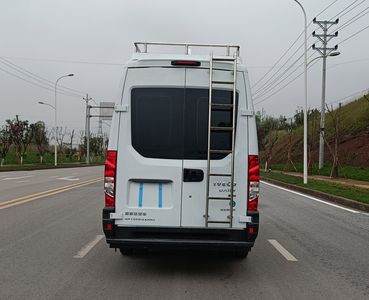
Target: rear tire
(126, 251)
(241, 253)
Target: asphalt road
(52, 248)
(21, 183)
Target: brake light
(109, 180)
(254, 179)
(191, 63)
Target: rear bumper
(180, 237)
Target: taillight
(109, 180)
(254, 178)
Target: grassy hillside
(353, 120)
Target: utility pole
(324, 51)
(87, 128)
(99, 132)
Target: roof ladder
(211, 129)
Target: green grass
(345, 172)
(30, 158)
(349, 192)
(29, 167)
(31, 161)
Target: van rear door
(150, 148)
(196, 139)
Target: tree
(40, 138)
(60, 135)
(289, 150)
(82, 142)
(71, 136)
(272, 139)
(5, 142)
(70, 151)
(313, 135)
(22, 135)
(299, 118)
(334, 115)
(96, 146)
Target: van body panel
(161, 168)
(194, 193)
(148, 190)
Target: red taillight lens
(189, 63)
(254, 179)
(109, 180)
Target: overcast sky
(93, 39)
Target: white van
(183, 133)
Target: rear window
(172, 123)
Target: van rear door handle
(193, 175)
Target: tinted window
(172, 123)
(157, 122)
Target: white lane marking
(287, 255)
(82, 253)
(16, 178)
(22, 181)
(68, 178)
(313, 198)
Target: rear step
(220, 175)
(217, 128)
(222, 82)
(222, 105)
(220, 198)
(220, 222)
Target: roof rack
(142, 47)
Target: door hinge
(116, 216)
(247, 113)
(121, 108)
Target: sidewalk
(344, 181)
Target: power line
(353, 19)
(287, 84)
(65, 61)
(350, 96)
(279, 80)
(355, 34)
(36, 84)
(340, 14)
(348, 62)
(268, 87)
(267, 82)
(37, 78)
(348, 38)
(285, 53)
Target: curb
(335, 199)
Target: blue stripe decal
(140, 194)
(160, 195)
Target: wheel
(126, 251)
(241, 253)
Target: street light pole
(55, 120)
(306, 96)
(318, 57)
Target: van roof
(164, 60)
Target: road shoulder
(331, 198)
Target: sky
(93, 39)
